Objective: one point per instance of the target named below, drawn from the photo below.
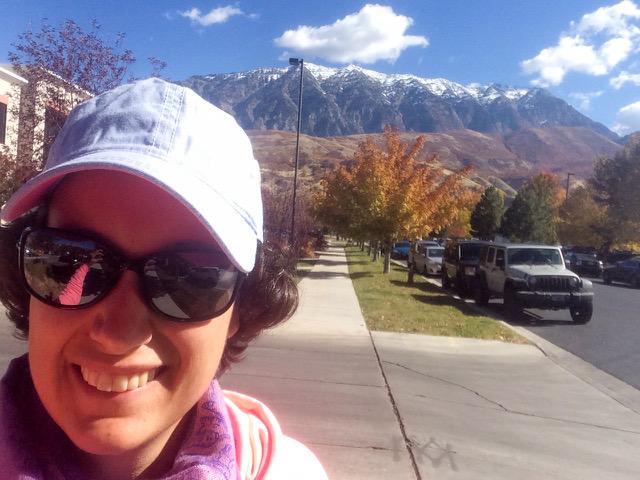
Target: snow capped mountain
(352, 99)
(437, 86)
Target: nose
(121, 320)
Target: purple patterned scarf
(33, 447)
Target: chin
(106, 438)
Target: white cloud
(624, 77)
(584, 99)
(627, 119)
(216, 15)
(612, 20)
(594, 46)
(374, 33)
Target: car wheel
(460, 287)
(581, 314)
(512, 306)
(445, 280)
(480, 293)
(606, 279)
(636, 282)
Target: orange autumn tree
(459, 225)
(389, 194)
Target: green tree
(533, 215)
(487, 215)
(615, 184)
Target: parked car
(428, 259)
(417, 248)
(626, 271)
(531, 276)
(615, 256)
(584, 264)
(400, 249)
(566, 250)
(460, 263)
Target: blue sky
(584, 51)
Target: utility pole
(566, 196)
(296, 61)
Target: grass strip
(388, 303)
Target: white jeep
(531, 276)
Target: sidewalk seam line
(396, 412)
(407, 441)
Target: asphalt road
(611, 341)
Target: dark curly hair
(267, 297)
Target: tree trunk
(411, 273)
(370, 247)
(376, 251)
(387, 261)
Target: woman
(134, 282)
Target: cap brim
(226, 223)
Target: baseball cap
(170, 136)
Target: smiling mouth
(106, 382)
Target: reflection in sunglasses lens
(65, 269)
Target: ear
(234, 323)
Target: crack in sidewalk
(506, 409)
(407, 441)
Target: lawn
(389, 303)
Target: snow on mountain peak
(320, 72)
(442, 87)
(436, 86)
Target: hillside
(495, 158)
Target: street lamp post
(569, 175)
(296, 61)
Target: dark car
(626, 271)
(400, 249)
(460, 263)
(584, 264)
(615, 256)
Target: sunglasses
(72, 270)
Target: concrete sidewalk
(403, 406)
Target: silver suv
(531, 276)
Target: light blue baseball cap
(170, 136)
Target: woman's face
(120, 338)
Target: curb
(613, 387)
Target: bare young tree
(80, 57)
(64, 65)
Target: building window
(3, 120)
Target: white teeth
(120, 383)
(116, 383)
(104, 382)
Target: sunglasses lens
(68, 270)
(64, 269)
(190, 285)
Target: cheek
(200, 348)
(47, 337)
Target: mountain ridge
(354, 100)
